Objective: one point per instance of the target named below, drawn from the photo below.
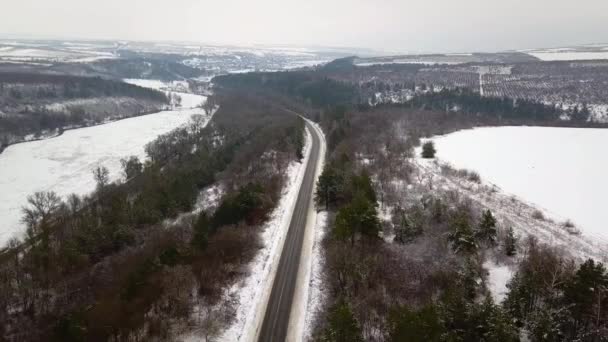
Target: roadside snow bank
(316, 289)
(252, 292)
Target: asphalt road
(276, 318)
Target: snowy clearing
(498, 278)
(253, 291)
(64, 164)
(560, 169)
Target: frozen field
(64, 164)
(562, 170)
(566, 55)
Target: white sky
(405, 25)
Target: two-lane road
(276, 319)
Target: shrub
(538, 215)
(428, 150)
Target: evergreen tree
(363, 183)
(586, 293)
(510, 244)
(486, 233)
(200, 237)
(494, 325)
(405, 230)
(329, 187)
(428, 150)
(359, 216)
(422, 325)
(343, 228)
(342, 325)
(462, 237)
(364, 216)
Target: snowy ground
(316, 289)
(560, 169)
(63, 164)
(498, 278)
(567, 55)
(178, 88)
(252, 292)
(510, 211)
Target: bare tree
(41, 206)
(101, 176)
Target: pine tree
(342, 325)
(408, 325)
(428, 150)
(200, 237)
(510, 244)
(486, 233)
(586, 292)
(405, 230)
(462, 237)
(328, 187)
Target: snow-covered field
(64, 164)
(567, 55)
(562, 170)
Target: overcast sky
(403, 25)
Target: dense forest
(134, 259)
(38, 104)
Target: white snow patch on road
(253, 291)
(561, 169)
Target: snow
(560, 169)
(188, 100)
(316, 291)
(64, 163)
(509, 210)
(253, 291)
(568, 55)
(498, 278)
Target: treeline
(27, 100)
(20, 88)
(123, 263)
(469, 102)
(133, 65)
(310, 87)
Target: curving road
(276, 318)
